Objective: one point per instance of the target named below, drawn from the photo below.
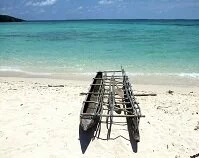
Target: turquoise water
(140, 46)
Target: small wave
(184, 75)
(84, 73)
(15, 70)
(192, 75)
(10, 69)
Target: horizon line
(107, 19)
(84, 19)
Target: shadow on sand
(132, 135)
(85, 137)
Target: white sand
(37, 121)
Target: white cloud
(79, 8)
(103, 2)
(41, 3)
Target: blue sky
(100, 9)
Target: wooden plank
(137, 95)
(119, 84)
(120, 108)
(105, 115)
(118, 76)
(120, 103)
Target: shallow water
(142, 47)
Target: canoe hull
(87, 122)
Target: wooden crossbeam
(120, 108)
(98, 85)
(120, 103)
(136, 95)
(107, 115)
(118, 76)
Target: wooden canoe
(91, 106)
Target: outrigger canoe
(92, 108)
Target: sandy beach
(40, 118)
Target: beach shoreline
(39, 117)
(171, 79)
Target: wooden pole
(136, 95)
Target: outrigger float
(111, 95)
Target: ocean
(82, 47)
